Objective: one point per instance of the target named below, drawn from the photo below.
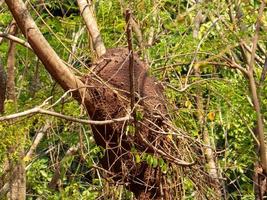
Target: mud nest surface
(136, 152)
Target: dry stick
(38, 110)
(92, 27)
(131, 66)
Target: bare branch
(15, 39)
(39, 110)
(166, 155)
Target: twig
(166, 155)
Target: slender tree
(2, 87)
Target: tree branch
(38, 110)
(15, 39)
(92, 27)
(254, 93)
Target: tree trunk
(17, 176)
(17, 181)
(2, 87)
(11, 60)
(259, 129)
(208, 152)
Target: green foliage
(229, 117)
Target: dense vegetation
(201, 51)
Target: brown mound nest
(149, 157)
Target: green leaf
(130, 129)
(139, 115)
(155, 162)
(149, 160)
(164, 168)
(137, 158)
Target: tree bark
(2, 87)
(17, 180)
(11, 60)
(259, 129)
(17, 175)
